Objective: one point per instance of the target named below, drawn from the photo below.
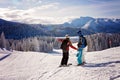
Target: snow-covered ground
(101, 65)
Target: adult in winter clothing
(81, 45)
(65, 50)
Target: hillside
(88, 25)
(101, 65)
(15, 30)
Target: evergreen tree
(3, 40)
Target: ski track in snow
(101, 65)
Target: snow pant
(79, 56)
(65, 57)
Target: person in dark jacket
(65, 50)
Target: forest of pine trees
(40, 44)
(101, 41)
(96, 42)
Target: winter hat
(80, 33)
(67, 36)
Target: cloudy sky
(57, 11)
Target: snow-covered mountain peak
(86, 26)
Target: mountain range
(96, 24)
(88, 25)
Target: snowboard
(66, 65)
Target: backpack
(64, 44)
(82, 41)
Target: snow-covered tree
(3, 40)
(102, 41)
(36, 44)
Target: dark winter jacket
(69, 44)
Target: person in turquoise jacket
(81, 45)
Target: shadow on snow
(100, 64)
